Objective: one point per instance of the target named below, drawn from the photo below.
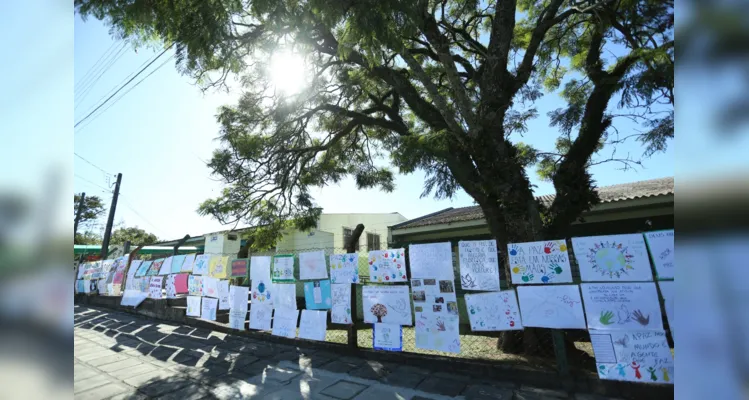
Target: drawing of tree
(379, 311)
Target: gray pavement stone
(450, 375)
(372, 372)
(149, 378)
(338, 366)
(107, 360)
(90, 383)
(447, 387)
(343, 390)
(312, 385)
(404, 379)
(104, 392)
(411, 370)
(192, 391)
(162, 387)
(382, 393)
(534, 393)
(116, 366)
(81, 372)
(280, 374)
(95, 355)
(132, 395)
(485, 392)
(126, 373)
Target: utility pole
(110, 220)
(78, 214)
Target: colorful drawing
(155, 267)
(317, 295)
(262, 287)
(154, 287)
(283, 268)
(612, 258)
(218, 267)
(240, 267)
(188, 263)
(539, 262)
(479, 268)
(200, 267)
(386, 266)
(496, 311)
(389, 304)
(195, 285)
(341, 299)
(344, 268)
(628, 355)
(171, 288)
(622, 306)
(387, 337)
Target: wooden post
(353, 337)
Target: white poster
(636, 356)
(432, 260)
(387, 266)
(132, 298)
(496, 311)
(539, 262)
(388, 304)
(282, 269)
(312, 265)
(210, 286)
(667, 291)
(238, 296)
(260, 267)
(223, 294)
(130, 282)
(661, 246)
(166, 266)
(387, 337)
(622, 306)
(260, 317)
(208, 309)
(313, 325)
(200, 267)
(154, 287)
(189, 262)
(436, 314)
(285, 296)
(171, 288)
(284, 322)
(341, 297)
(612, 258)
(237, 319)
(551, 306)
(193, 306)
(262, 287)
(344, 268)
(479, 268)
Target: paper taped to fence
(387, 337)
(389, 304)
(436, 315)
(200, 267)
(262, 287)
(612, 258)
(166, 266)
(557, 306)
(431, 260)
(479, 268)
(344, 268)
(238, 296)
(195, 285)
(495, 311)
(171, 288)
(177, 262)
(313, 325)
(661, 247)
(188, 263)
(667, 291)
(539, 262)
(193, 306)
(282, 269)
(284, 322)
(154, 287)
(285, 296)
(317, 295)
(210, 286)
(341, 298)
(636, 356)
(260, 317)
(223, 294)
(622, 306)
(386, 266)
(312, 265)
(208, 308)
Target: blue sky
(157, 135)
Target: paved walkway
(121, 356)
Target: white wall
(373, 223)
(294, 241)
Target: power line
(86, 180)
(84, 92)
(88, 73)
(92, 164)
(123, 86)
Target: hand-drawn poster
(496, 311)
(388, 304)
(218, 267)
(622, 306)
(262, 287)
(284, 322)
(155, 267)
(143, 268)
(479, 268)
(432, 260)
(341, 297)
(154, 287)
(166, 266)
(551, 306)
(240, 267)
(177, 263)
(188, 263)
(436, 314)
(180, 283)
(312, 265)
(283, 268)
(171, 288)
(200, 267)
(238, 296)
(284, 296)
(193, 306)
(143, 284)
(317, 295)
(195, 285)
(667, 291)
(130, 281)
(387, 337)
(210, 286)
(661, 246)
(132, 298)
(387, 266)
(208, 308)
(223, 294)
(313, 325)
(119, 271)
(344, 268)
(260, 316)
(636, 356)
(539, 262)
(612, 258)
(103, 268)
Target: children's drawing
(208, 309)
(622, 306)
(193, 306)
(496, 311)
(155, 267)
(238, 296)
(218, 267)
(119, 271)
(177, 262)
(166, 266)
(375, 300)
(223, 294)
(341, 299)
(612, 258)
(317, 295)
(479, 268)
(661, 246)
(283, 268)
(539, 262)
(386, 266)
(667, 292)
(636, 356)
(131, 271)
(387, 337)
(210, 286)
(260, 317)
(195, 285)
(344, 268)
(313, 325)
(433, 260)
(201, 264)
(188, 263)
(143, 269)
(154, 287)
(553, 306)
(262, 287)
(171, 288)
(284, 296)
(240, 267)
(284, 322)
(312, 265)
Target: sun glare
(287, 72)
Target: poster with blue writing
(635, 356)
(539, 262)
(317, 295)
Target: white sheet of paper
(210, 286)
(188, 263)
(638, 356)
(436, 331)
(479, 268)
(387, 337)
(260, 317)
(388, 304)
(667, 291)
(154, 287)
(132, 298)
(496, 311)
(200, 267)
(387, 266)
(622, 306)
(238, 296)
(313, 325)
(263, 290)
(237, 319)
(223, 294)
(340, 294)
(260, 267)
(193, 306)
(431, 260)
(171, 289)
(551, 306)
(612, 258)
(284, 322)
(661, 246)
(208, 309)
(130, 280)
(285, 296)
(312, 265)
(166, 266)
(344, 268)
(539, 262)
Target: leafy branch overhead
(445, 87)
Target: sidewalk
(121, 356)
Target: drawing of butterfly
(623, 341)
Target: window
(347, 235)
(373, 242)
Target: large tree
(445, 87)
(93, 208)
(135, 235)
